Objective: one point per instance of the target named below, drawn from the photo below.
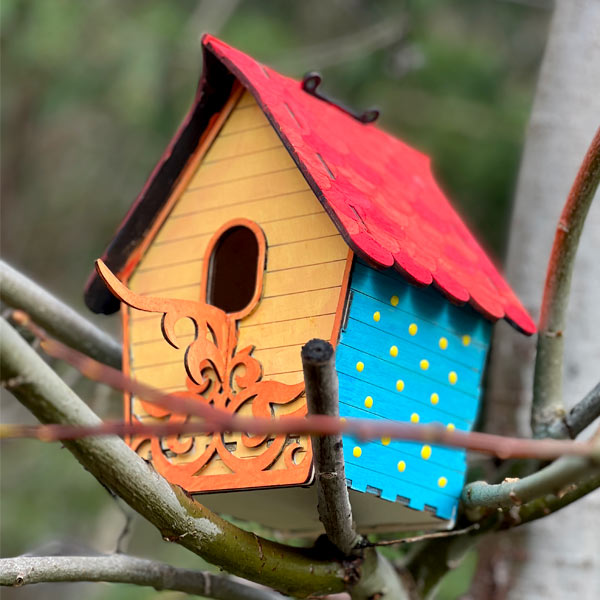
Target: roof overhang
(379, 192)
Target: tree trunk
(557, 557)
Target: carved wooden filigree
(231, 380)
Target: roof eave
(213, 91)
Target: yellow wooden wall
(246, 173)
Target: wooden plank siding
(246, 173)
(407, 354)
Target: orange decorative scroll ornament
(230, 380)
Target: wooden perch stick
(120, 568)
(321, 382)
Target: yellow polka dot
(424, 364)
(442, 482)
(368, 402)
(435, 398)
(443, 343)
(386, 441)
(452, 377)
(343, 419)
(360, 366)
(401, 466)
(394, 351)
(357, 451)
(394, 300)
(412, 329)
(414, 418)
(425, 452)
(376, 316)
(466, 340)
(451, 427)
(399, 385)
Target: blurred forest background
(91, 95)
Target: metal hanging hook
(310, 83)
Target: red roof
(379, 192)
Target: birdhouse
(276, 216)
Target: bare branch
(335, 512)
(503, 447)
(553, 479)
(217, 420)
(548, 404)
(120, 568)
(178, 517)
(57, 318)
(585, 412)
(431, 560)
(546, 505)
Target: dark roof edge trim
(212, 93)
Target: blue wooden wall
(408, 354)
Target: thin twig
(367, 429)
(217, 420)
(335, 512)
(120, 568)
(61, 321)
(548, 406)
(426, 536)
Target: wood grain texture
(216, 372)
(407, 354)
(246, 173)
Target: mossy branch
(553, 479)
(178, 517)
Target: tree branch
(377, 578)
(57, 318)
(335, 512)
(579, 417)
(546, 505)
(431, 560)
(547, 407)
(553, 479)
(218, 420)
(179, 518)
(119, 568)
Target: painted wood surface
(408, 354)
(246, 173)
(382, 192)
